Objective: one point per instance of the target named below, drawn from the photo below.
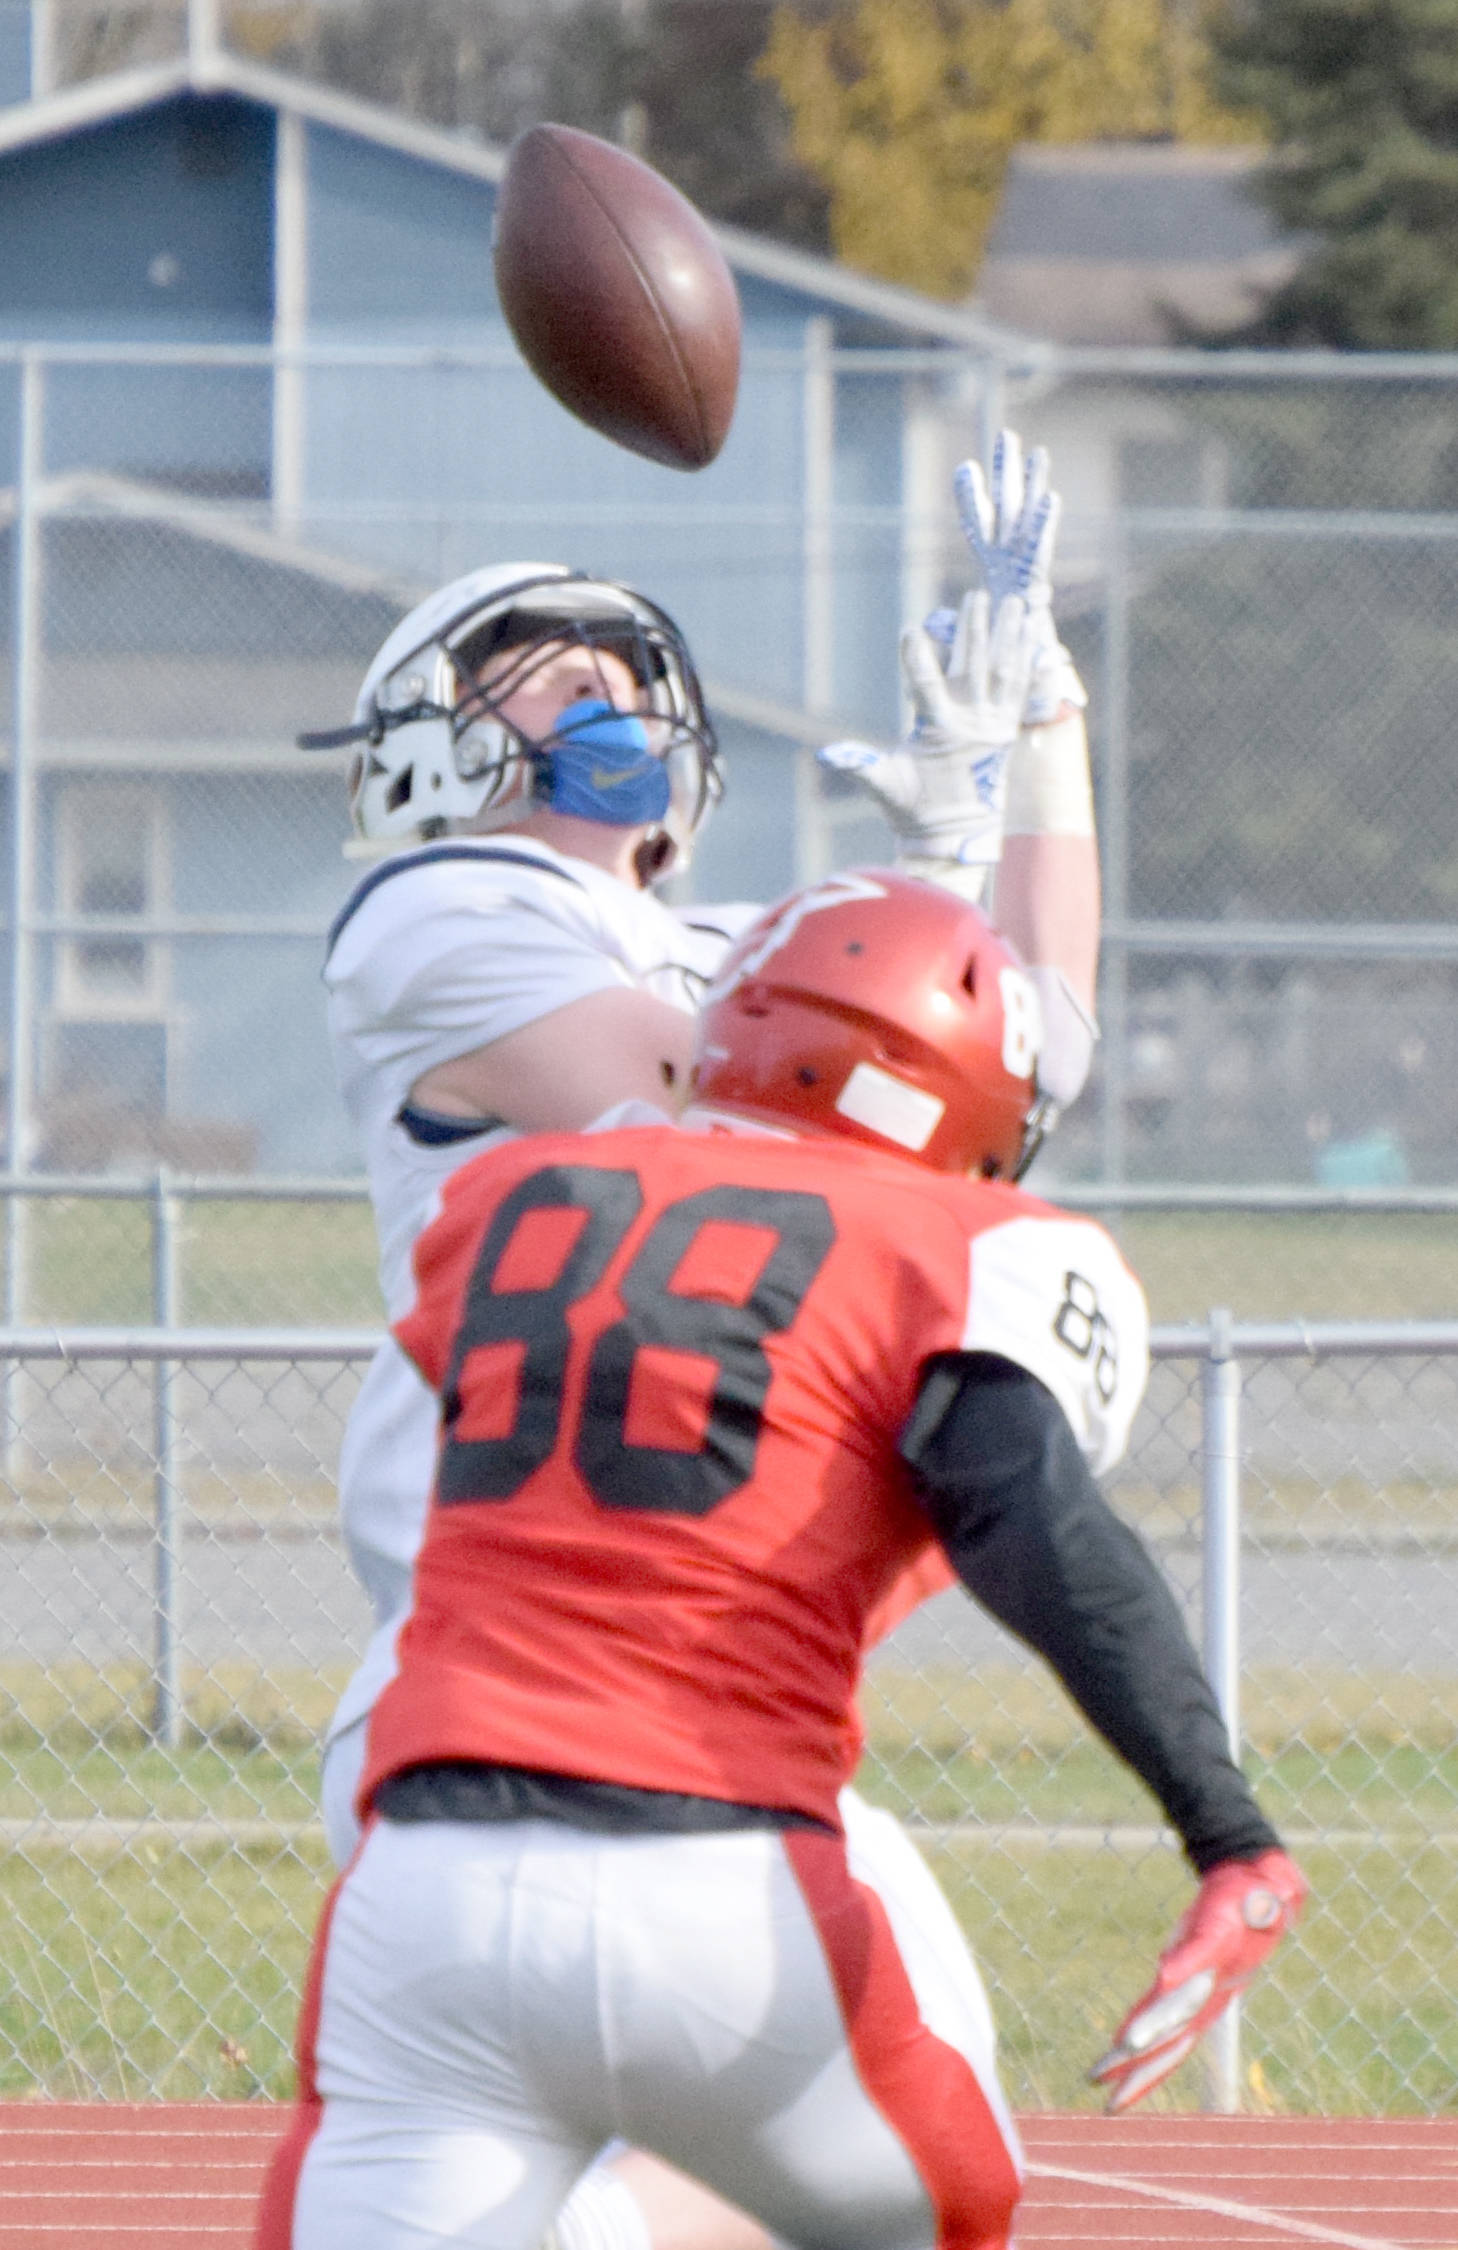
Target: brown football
(618, 295)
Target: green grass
(158, 1961)
(233, 1711)
(1404, 1787)
(1295, 1265)
(292, 1263)
(174, 1972)
(947, 1753)
(155, 1972)
(120, 1776)
(163, 1959)
(1353, 2017)
(246, 1263)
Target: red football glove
(1243, 1908)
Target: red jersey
(674, 1367)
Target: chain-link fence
(88, 1248)
(200, 549)
(179, 1615)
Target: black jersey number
(1082, 1325)
(535, 1320)
(621, 1474)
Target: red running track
(120, 2176)
(1241, 2183)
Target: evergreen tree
(718, 126)
(1361, 99)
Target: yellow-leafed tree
(907, 109)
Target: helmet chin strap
(1041, 1119)
(654, 857)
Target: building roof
(96, 101)
(1120, 242)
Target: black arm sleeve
(998, 1471)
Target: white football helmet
(433, 754)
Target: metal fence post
(817, 662)
(1113, 823)
(991, 406)
(1220, 1595)
(166, 1683)
(25, 668)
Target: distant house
(249, 335)
(1130, 242)
(1107, 253)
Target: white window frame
(79, 997)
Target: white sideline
(1218, 2207)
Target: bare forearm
(1047, 895)
(560, 1072)
(1047, 905)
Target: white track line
(1216, 2206)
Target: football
(618, 295)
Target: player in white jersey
(534, 746)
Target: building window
(112, 863)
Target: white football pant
(488, 2004)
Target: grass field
(155, 1971)
(245, 1264)
(156, 1954)
(1311, 1266)
(291, 1263)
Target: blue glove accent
(598, 767)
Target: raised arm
(1003, 814)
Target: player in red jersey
(707, 1396)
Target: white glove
(944, 790)
(1009, 520)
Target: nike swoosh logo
(613, 777)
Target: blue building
(258, 397)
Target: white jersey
(452, 946)
(441, 950)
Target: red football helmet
(884, 1009)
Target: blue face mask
(599, 767)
